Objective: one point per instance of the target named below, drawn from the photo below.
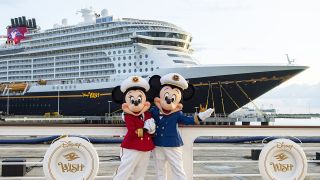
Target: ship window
(151, 62)
(124, 64)
(119, 71)
(124, 58)
(109, 52)
(140, 70)
(135, 57)
(114, 52)
(140, 56)
(135, 63)
(140, 63)
(124, 51)
(146, 62)
(129, 70)
(146, 56)
(114, 58)
(146, 69)
(151, 69)
(135, 70)
(124, 71)
(119, 58)
(119, 52)
(129, 57)
(129, 50)
(129, 64)
(119, 65)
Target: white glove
(150, 126)
(204, 115)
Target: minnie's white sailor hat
(174, 79)
(134, 81)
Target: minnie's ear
(117, 95)
(155, 87)
(188, 93)
(154, 82)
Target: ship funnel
(34, 24)
(104, 13)
(12, 23)
(64, 22)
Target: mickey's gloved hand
(204, 115)
(150, 126)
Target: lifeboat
(42, 82)
(17, 86)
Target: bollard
(14, 169)
(255, 153)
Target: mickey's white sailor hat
(134, 81)
(174, 79)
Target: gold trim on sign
(62, 96)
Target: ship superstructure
(72, 69)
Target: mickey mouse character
(171, 89)
(137, 144)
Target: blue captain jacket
(167, 134)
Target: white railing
(189, 134)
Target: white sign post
(282, 159)
(71, 158)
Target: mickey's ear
(154, 82)
(117, 95)
(188, 93)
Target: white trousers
(133, 164)
(171, 156)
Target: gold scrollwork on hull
(91, 95)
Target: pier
(201, 161)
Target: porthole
(124, 71)
(151, 62)
(146, 56)
(129, 57)
(119, 52)
(135, 57)
(129, 70)
(129, 50)
(114, 52)
(146, 62)
(140, 70)
(140, 56)
(124, 51)
(135, 70)
(124, 64)
(119, 71)
(119, 65)
(140, 63)
(151, 69)
(129, 64)
(119, 58)
(146, 69)
(114, 58)
(124, 58)
(109, 52)
(135, 63)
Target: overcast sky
(224, 31)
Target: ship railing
(206, 161)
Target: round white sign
(282, 159)
(71, 158)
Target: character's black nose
(136, 103)
(168, 100)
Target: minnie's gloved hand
(204, 115)
(150, 125)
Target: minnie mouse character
(170, 90)
(137, 144)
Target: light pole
(109, 107)
(8, 101)
(196, 109)
(57, 87)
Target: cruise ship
(71, 69)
